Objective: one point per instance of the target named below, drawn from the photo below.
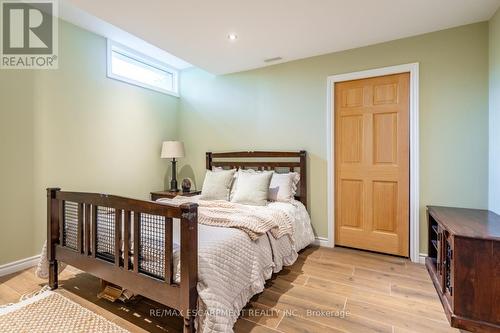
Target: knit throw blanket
(255, 221)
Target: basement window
(130, 66)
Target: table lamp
(173, 150)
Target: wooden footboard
(127, 242)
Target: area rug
(48, 311)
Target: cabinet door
(448, 266)
(439, 256)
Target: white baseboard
(19, 265)
(421, 258)
(322, 241)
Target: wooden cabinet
(464, 265)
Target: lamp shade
(172, 149)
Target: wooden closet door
(372, 164)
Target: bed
(178, 260)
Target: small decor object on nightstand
(186, 185)
(173, 150)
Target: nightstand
(167, 194)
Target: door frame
(413, 69)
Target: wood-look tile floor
(326, 290)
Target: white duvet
(232, 268)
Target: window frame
(113, 46)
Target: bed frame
(109, 236)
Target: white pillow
(217, 184)
(235, 179)
(283, 186)
(235, 182)
(252, 188)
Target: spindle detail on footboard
(127, 242)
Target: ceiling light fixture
(232, 37)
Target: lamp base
(173, 182)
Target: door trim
(413, 69)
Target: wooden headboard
(279, 161)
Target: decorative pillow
(252, 188)
(283, 186)
(235, 182)
(217, 184)
(296, 179)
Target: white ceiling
(83, 19)
(196, 30)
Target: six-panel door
(372, 164)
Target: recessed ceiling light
(232, 37)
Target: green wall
(494, 147)
(16, 165)
(283, 107)
(76, 129)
